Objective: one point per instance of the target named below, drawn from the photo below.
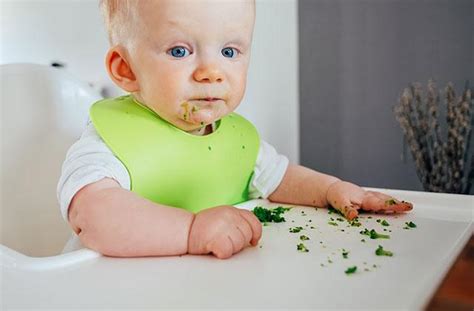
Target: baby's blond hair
(121, 20)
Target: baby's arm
(117, 222)
(303, 186)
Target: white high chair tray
(271, 275)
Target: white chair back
(44, 110)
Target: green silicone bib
(175, 168)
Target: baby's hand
(349, 198)
(223, 231)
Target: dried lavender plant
(441, 165)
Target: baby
(156, 172)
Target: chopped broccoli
(332, 223)
(302, 248)
(374, 235)
(390, 202)
(339, 219)
(304, 238)
(384, 223)
(381, 252)
(345, 254)
(363, 240)
(411, 224)
(270, 215)
(333, 210)
(296, 229)
(351, 270)
(355, 222)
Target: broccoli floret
(296, 229)
(302, 248)
(304, 238)
(333, 210)
(411, 224)
(383, 222)
(374, 235)
(345, 254)
(351, 270)
(381, 252)
(270, 215)
(355, 222)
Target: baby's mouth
(202, 110)
(209, 100)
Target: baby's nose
(208, 74)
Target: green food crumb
(270, 215)
(384, 223)
(332, 223)
(363, 240)
(296, 229)
(304, 238)
(390, 202)
(411, 224)
(374, 235)
(312, 227)
(302, 248)
(355, 222)
(333, 210)
(329, 260)
(345, 254)
(351, 270)
(339, 219)
(381, 252)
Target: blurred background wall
(356, 57)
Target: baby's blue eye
(178, 52)
(229, 52)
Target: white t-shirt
(90, 160)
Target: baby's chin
(200, 116)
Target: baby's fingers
(255, 225)
(222, 247)
(379, 202)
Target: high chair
(44, 110)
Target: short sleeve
(88, 160)
(269, 170)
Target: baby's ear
(120, 70)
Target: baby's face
(191, 58)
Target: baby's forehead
(235, 15)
